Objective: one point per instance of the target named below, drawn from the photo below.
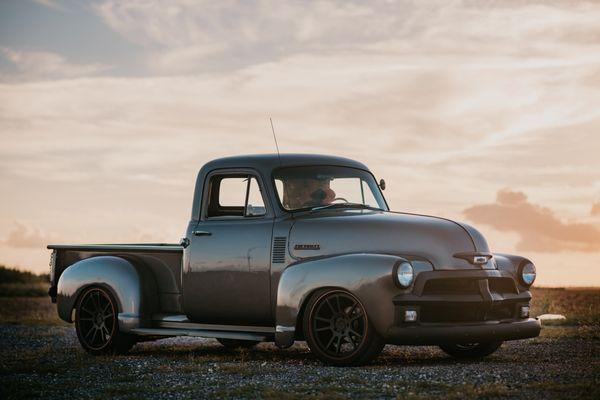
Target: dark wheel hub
(338, 324)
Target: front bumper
(433, 334)
(462, 307)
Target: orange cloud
(595, 209)
(22, 236)
(539, 227)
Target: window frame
(234, 173)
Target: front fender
(511, 263)
(114, 273)
(367, 276)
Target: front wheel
(338, 330)
(471, 350)
(97, 325)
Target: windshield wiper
(344, 205)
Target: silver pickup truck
(298, 247)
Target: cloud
(47, 65)
(52, 4)
(225, 35)
(22, 236)
(540, 229)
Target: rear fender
(367, 276)
(116, 274)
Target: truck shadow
(299, 353)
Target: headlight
(404, 274)
(528, 274)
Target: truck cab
(298, 247)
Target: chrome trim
(163, 247)
(283, 328)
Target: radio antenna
(275, 137)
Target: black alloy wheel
(338, 330)
(97, 325)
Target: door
(228, 279)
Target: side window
(235, 196)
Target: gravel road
(46, 361)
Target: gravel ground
(46, 361)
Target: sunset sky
(487, 113)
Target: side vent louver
(279, 244)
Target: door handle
(201, 233)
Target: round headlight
(404, 274)
(528, 274)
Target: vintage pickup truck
(298, 247)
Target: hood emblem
(309, 246)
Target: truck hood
(331, 232)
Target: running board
(206, 333)
(176, 321)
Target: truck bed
(163, 260)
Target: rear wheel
(338, 330)
(234, 344)
(97, 325)
(471, 350)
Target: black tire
(234, 344)
(338, 331)
(97, 325)
(471, 350)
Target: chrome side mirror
(382, 184)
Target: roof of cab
(272, 161)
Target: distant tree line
(12, 275)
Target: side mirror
(382, 184)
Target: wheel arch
(366, 276)
(125, 282)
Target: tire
(97, 325)
(471, 350)
(338, 330)
(234, 344)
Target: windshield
(305, 188)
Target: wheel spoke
(328, 320)
(330, 341)
(325, 328)
(330, 306)
(339, 345)
(106, 330)
(350, 330)
(87, 310)
(94, 336)
(89, 332)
